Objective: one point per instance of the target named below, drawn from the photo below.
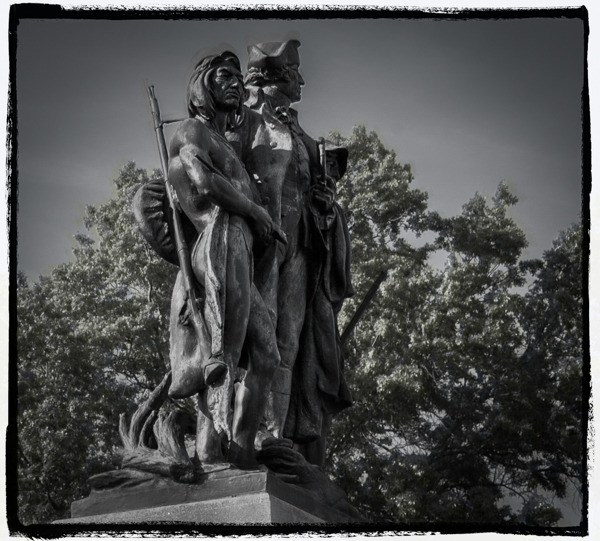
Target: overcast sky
(467, 103)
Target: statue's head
(216, 83)
(276, 64)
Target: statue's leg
(291, 307)
(208, 441)
(237, 310)
(266, 276)
(252, 394)
(213, 368)
(315, 451)
(266, 279)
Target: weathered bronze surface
(305, 282)
(249, 210)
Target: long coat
(319, 385)
(264, 144)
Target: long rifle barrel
(182, 248)
(364, 305)
(160, 135)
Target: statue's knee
(288, 356)
(282, 381)
(267, 368)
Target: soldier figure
(320, 389)
(283, 162)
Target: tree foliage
(467, 379)
(467, 383)
(92, 338)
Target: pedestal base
(226, 497)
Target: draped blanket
(187, 353)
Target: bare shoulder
(191, 132)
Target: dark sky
(467, 103)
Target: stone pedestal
(225, 497)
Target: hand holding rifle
(275, 231)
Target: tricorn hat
(340, 154)
(273, 54)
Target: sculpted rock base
(225, 497)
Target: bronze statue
(221, 220)
(248, 213)
(253, 288)
(284, 165)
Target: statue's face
(292, 88)
(227, 87)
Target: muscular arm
(193, 150)
(192, 147)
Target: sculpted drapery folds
(319, 369)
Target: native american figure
(220, 220)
